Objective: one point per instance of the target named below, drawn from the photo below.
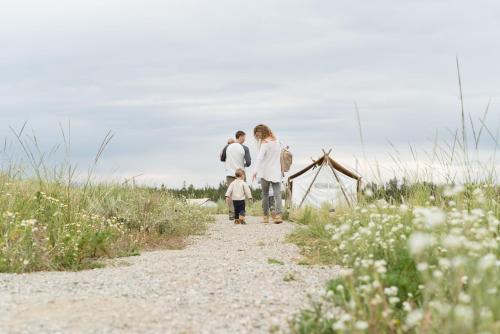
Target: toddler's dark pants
(239, 208)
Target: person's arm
(248, 158)
(229, 190)
(229, 193)
(258, 163)
(223, 154)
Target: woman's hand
(254, 176)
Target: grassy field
(419, 258)
(50, 219)
(428, 265)
(53, 226)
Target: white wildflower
(380, 266)
(393, 300)
(437, 274)
(392, 291)
(387, 313)
(485, 313)
(431, 217)
(452, 242)
(377, 299)
(458, 261)
(479, 195)
(403, 208)
(361, 325)
(30, 222)
(419, 241)
(477, 213)
(414, 317)
(339, 326)
(442, 308)
(345, 317)
(444, 263)
(345, 228)
(486, 262)
(382, 203)
(464, 313)
(453, 191)
(464, 298)
(422, 266)
(329, 227)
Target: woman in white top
(268, 169)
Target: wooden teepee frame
(324, 162)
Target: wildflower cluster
(432, 267)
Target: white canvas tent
(323, 181)
(203, 202)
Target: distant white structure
(324, 181)
(202, 202)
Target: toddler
(237, 192)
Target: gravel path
(221, 283)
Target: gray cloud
(174, 79)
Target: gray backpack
(286, 159)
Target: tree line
(211, 192)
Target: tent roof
(197, 201)
(338, 167)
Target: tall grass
(51, 221)
(413, 269)
(420, 257)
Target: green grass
(275, 261)
(50, 226)
(414, 268)
(50, 219)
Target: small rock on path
(221, 283)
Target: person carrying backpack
(268, 168)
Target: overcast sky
(174, 79)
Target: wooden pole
(288, 194)
(310, 186)
(339, 181)
(358, 189)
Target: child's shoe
(242, 220)
(277, 219)
(236, 221)
(265, 220)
